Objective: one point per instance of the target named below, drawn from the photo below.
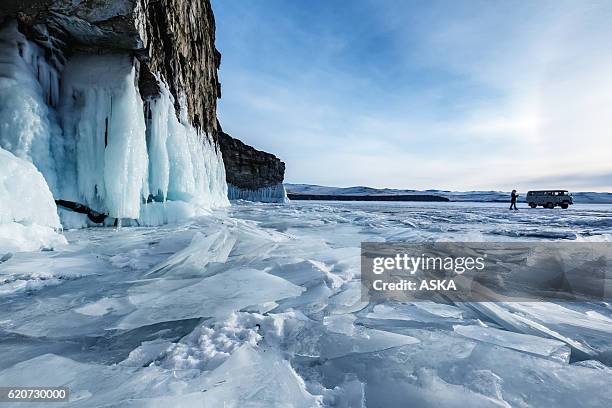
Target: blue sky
(455, 95)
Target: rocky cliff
(251, 173)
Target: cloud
(453, 95)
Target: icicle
(270, 194)
(184, 164)
(102, 114)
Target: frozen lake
(259, 305)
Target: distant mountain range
(471, 196)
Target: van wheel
(564, 206)
(550, 205)
(533, 205)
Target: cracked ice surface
(259, 305)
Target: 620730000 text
(34, 394)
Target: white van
(549, 198)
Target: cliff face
(248, 168)
(171, 38)
(180, 39)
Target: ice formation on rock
(92, 142)
(104, 130)
(183, 164)
(28, 86)
(270, 194)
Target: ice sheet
(261, 304)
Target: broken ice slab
(346, 338)
(419, 311)
(587, 334)
(34, 271)
(539, 346)
(259, 378)
(215, 296)
(192, 260)
(444, 369)
(250, 376)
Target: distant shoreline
(397, 197)
(356, 193)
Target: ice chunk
(95, 385)
(192, 260)
(146, 353)
(417, 311)
(316, 277)
(361, 340)
(587, 336)
(523, 342)
(347, 300)
(446, 371)
(258, 378)
(100, 307)
(25, 196)
(28, 215)
(251, 377)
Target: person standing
(513, 198)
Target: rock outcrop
(251, 174)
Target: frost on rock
(270, 194)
